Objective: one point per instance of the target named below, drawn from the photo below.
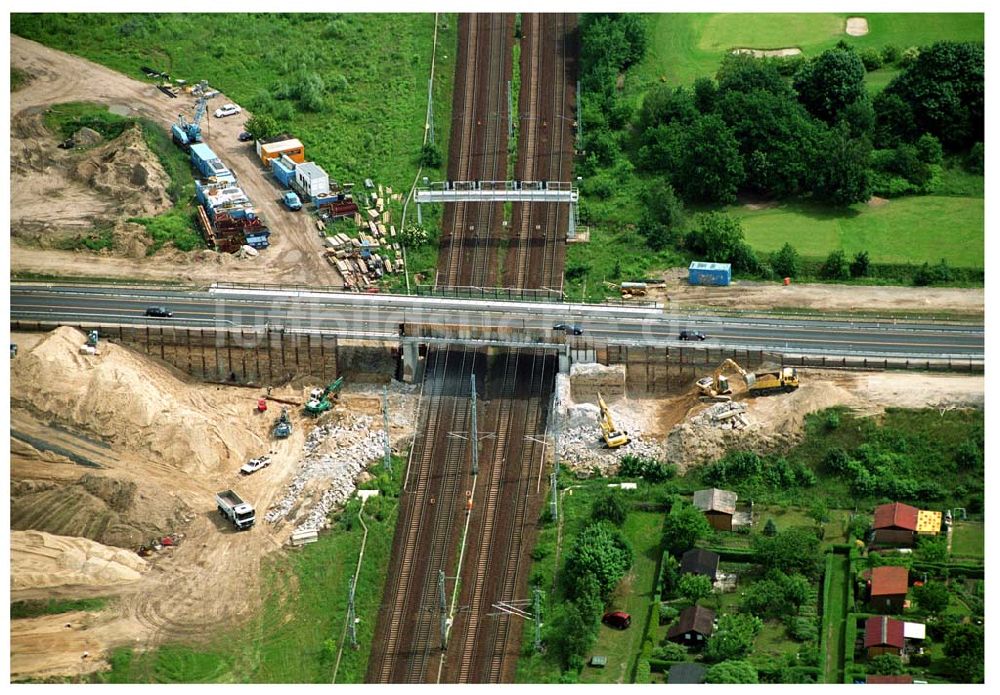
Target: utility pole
(443, 608)
(475, 431)
(538, 619)
(351, 620)
(385, 425)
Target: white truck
(232, 507)
(254, 465)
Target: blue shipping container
(282, 172)
(700, 273)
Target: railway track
(482, 647)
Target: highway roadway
(381, 314)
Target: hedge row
(850, 636)
(905, 273)
(643, 666)
(969, 571)
(734, 554)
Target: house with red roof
(895, 524)
(883, 635)
(874, 678)
(887, 587)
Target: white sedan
(227, 110)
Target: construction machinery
(716, 387)
(186, 133)
(321, 400)
(613, 437)
(283, 427)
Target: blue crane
(187, 133)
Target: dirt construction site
(115, 451)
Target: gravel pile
(356, 442)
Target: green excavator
(321, 400)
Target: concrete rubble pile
(581, 448)
(357, 442)
(727, 416)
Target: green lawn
(968, 539)
(643, 531)
(373, 71)
(903, 230)
(35, 608)
(835, 612)
(684, 47)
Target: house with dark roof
(874, 678)
(883, 635)
(694, 625)
(887, 587)
(895, 524)
(686, 673)
(698, 561)
(718, 506)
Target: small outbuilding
(694, 625)
(686, 673)
(699, 561)
(883, 635)
(718, 506)
(895, 524)
(887, 587)
(701, 273)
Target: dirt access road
(295, 255)
(743, 294)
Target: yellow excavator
(716, 387)
(613, 437)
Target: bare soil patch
(768, 52)
(155, 447)
(856, 26)
(295, 255)
(876, 202)
(676, 293)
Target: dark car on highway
(160, 312)
(574, 328)
(691, 335)
(618, 619)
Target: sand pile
(104, 508)
(856, 26)
(131, 402)
(125, 169)
(43, 561)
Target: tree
(819, 512)
(786, 261)
(601, 550)
(414, 236)
(886, 665)
(860, 265)
(929, 149)
(683, 527)
(770, 528)
(671, 651)
(719, 237)
(794, 550)
(963, 643)
(706, 163)
(732, 672)
(840, 172)
(568, 634)
(744, 73)
(704, 94)
(944, 87)
(835, 267)
(830, 83)
(664, 105)
(261, 126)
(694, 587)
(932, 597)
(734, 637)
(430, 156)
(609, 507)
(309, 90)
(670, 574)
(663, 219)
